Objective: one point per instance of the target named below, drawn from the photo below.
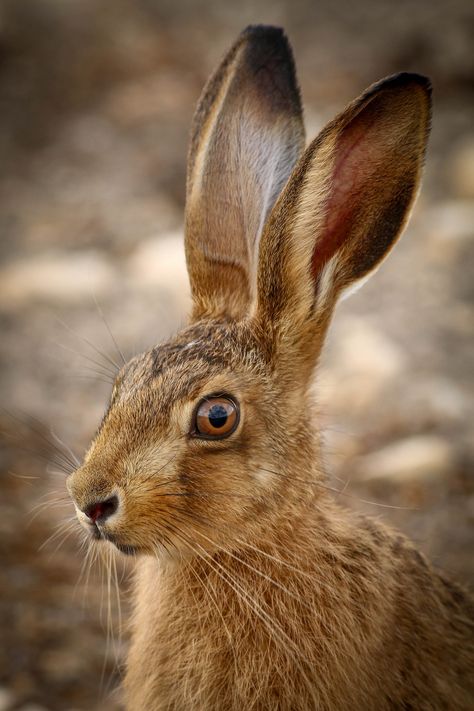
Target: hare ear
(343, 208)
(246, 137)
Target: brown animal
(254, 589)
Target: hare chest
(228, 641)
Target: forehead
(198, 353)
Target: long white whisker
(270, 624)
(259, 572)
(101, 314)
(89, 343)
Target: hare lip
(95, 532)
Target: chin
(127, 549)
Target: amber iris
(216, 418)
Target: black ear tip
(266, 47)
(406, 80)
(410, 78)
(264, 31)
(266, 38)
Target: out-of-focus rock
(32, 707)
(449, 226)
(55, 277)
(418, 467)
(7, 699)
(62, 664)
(428, 402)
(339, 447)
(439, 398)
(149, 98)
(159, 263)
(361, 361)
(461, 168)
(470, 509)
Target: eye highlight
(215, 418)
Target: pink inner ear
(357, 153)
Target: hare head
(208, 431)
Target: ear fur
(247, 134)
(343, 209)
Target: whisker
(60, 530)
(101, 314)
(66, 447)
(15, 475)
(276, 559)
(35, 426)
(117, 596)
(85, 563)
(94, 375)
(93, 561)
(197, 520)
(276, 632)
(214, 600)
(320, 484)
(258, 572)
(207, 495)
(108, 624)
(42, 506)
(155, 473)
(53, 440)
(89, 343)
(104, 368)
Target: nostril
(101, 510)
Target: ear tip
(406, 80)
(268, 32)
(415, 88)
(267, 40)
(266, 47)
(411, 78)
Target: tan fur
(254, 589)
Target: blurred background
(96, 99)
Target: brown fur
(254, 589)
(246, 137)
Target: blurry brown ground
(96, 98)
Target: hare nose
(99, 511)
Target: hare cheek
(263, 476)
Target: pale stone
(449, 226)
(431, 401)
(361, 361)
(160, 263)
(461, 168)
(56, 277)
(7, 699)
(422, 459)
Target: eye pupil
(218, 416)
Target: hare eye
(215, 418)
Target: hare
(254, 588)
